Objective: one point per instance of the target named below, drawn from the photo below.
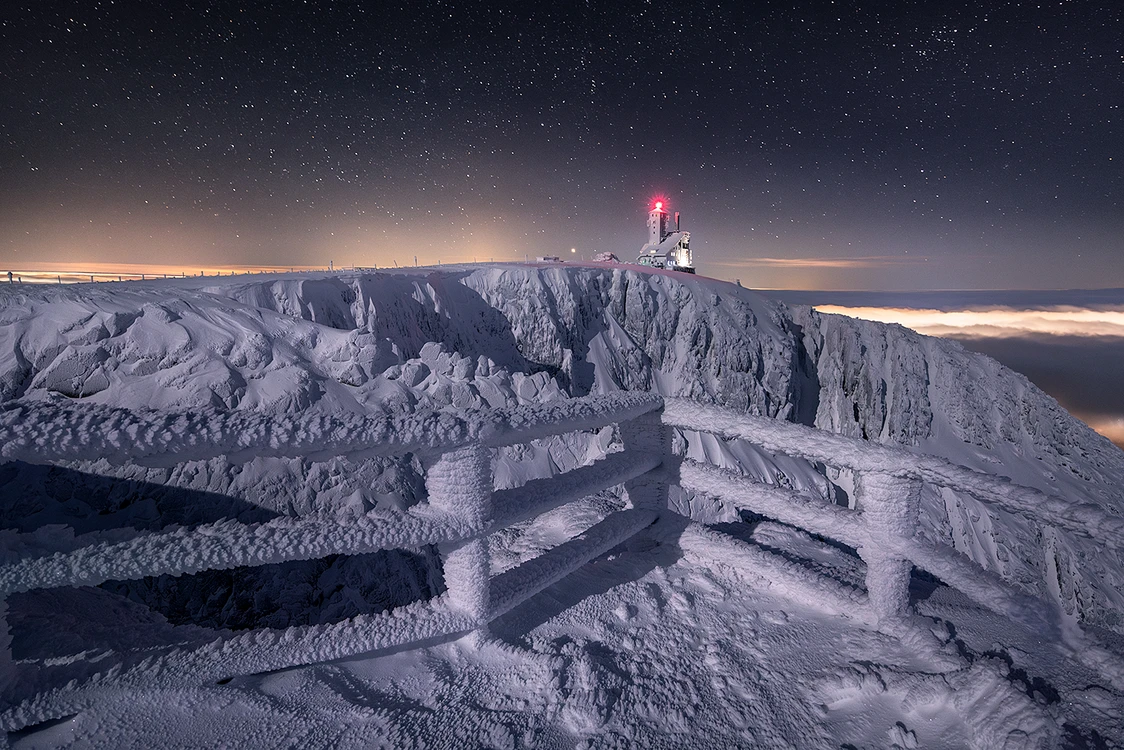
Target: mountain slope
(500, 335)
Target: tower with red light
(667, 247)
(657, 224)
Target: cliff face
(889, 384)
(589, 329)
(500, 335)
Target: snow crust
(230, 544)
(292, 398)
(790, 579)
(540, 495)
(517, 585)
(784, 505)
(885, 537)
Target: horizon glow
(993, 323)
(175, 136)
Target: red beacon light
(659, 205)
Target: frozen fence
(882, 527)
(47, 433)
(1083, 519)
(463, 508)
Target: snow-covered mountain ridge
(504, 335)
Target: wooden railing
(462, 509)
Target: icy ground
(661, 643)
(658, 645)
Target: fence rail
(1083, 519)
(462, 509)
(49, 433)
(883, 526)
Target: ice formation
(277, 405)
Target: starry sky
(831, 145)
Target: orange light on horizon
(52, 272)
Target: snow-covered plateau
(664, 641)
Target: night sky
(897, 145)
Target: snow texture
(318, 401)
(48, 433)
(884, 532)
(229, 544)
(540, 495)
(335, 346)
(460, 483)
(890, 511)
(647, 436)
(517, 585)
(257, 651)
(1086, 519)
(773, 571)
(460, 509)
(774, 502)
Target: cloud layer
(865, 261)
(1074, 354)
(996, 323)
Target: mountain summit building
(667, 246)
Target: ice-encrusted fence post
(647, 434)
(460, 482)
(891, 508)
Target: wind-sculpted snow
(540, 495)
(991, 591)
(460, 509)
(230, 544)
(864, 532)
(774, 502)
(790, 579)
(884, 383)
(485, 337)
(591, 329)
(258, 651)
(1087, 572)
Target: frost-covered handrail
(48, 433)
(884, 529)
(786, 506)
(1084, 519)
(230, 544)
(461, 509)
